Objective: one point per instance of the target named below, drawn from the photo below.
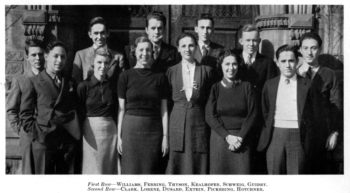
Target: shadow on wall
(267, 49)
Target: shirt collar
(201, 44)
(188, 64)
(245, 56)
(95, 47)
(93, 80)
(293, 78)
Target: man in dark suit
(256, 69)
(55, 129)
(286, 121)
(326, 102)
(164, 55)
(207, 51)
(19, 89)
(83, 61)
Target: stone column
(283, 24)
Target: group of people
(196, 108)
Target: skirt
(187, 161)
(225, 161)
(142, 144)
(99, 146)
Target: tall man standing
(164, 55)
(20, 87)
(207, 51)
(98, 33)
(55, 129)
(326, 103)
(285, 107)
(256, 69)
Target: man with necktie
(164, 55)
(20, 87)
(55, 128)
(83, 60)
(207, 51)
(326, 102)
(285, 107)
(256, 69)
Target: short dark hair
(97, 20)
(222, 55)
(156, 15)
(287, 48)
(247, 28)
(205, 16)
(55, 43)
(183, 35)
(311, 35)
(33, 43)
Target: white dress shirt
(188, 78)
(246, 56)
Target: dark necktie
(58, 81)
(205, 51)
(155, 52)
(309, 73)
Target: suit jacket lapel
(273, 93)
(302, 90)
(198, 54)
(197, 79)
(48, 83)
(179, 80)
(60, 91)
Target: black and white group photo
(174, 89)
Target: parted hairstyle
(98, 20)
(287, 48)
(156, 15)
(247, 28)
(33, 43)
(101, 52)
(225, 53)
(138, 40)
(56, 43)
(311, 35)
(205, 16)
(183, 35)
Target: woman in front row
(231, 111)
(188, 133)
(97, 108)
(143, 114)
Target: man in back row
(164, 55)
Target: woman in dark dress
(188, 133)
(231, 111)
(98, 107)
(143, 114)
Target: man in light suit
(55, 129)
(326, 105)
(83, 61)
(207, 51)
(20, 87)
(164, 55)
(256, 69)
(286, 113)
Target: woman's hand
(119, 146)
(234, 142)
(165, 145)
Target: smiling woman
(143, 114)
